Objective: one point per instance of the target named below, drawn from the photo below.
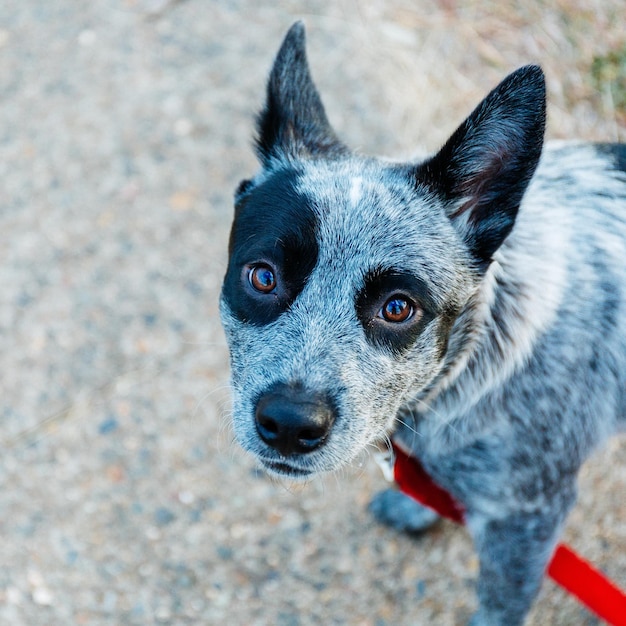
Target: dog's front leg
(513, 553)
(401, 512)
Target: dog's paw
(476, 620)
(395, 509)
(480, 619)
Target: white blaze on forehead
(356, 190)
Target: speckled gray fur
(520, 373)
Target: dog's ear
(293, 122)
(484, 168)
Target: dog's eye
(397, 309)
(262, 278)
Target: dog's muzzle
(292, 420)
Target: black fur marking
(243, 188)
(617, 153)
(483, 170)
(379, 286)
(293, 122)
(608, 303)
(275, 225)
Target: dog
(471, 306)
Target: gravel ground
(124, 126)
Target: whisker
(205, 397)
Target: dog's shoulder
(553, 299)
(582, 169)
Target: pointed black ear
(484, 168)
(293, 122)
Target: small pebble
(186, 497)
(42, 596)
(87, 38)
(163, 516)
(108, 426)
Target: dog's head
(347, 274)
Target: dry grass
(431, 62)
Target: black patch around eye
(274, 225)
(379, 286)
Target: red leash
(567, 569)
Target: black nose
(293, 420)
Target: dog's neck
(499, 327)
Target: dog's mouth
(286, 469)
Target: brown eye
(397, 309)
(262, 278)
